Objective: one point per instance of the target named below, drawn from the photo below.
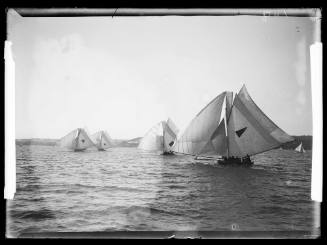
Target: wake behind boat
(231, 130)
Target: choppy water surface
(127, 189)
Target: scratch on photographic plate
(316, 83)
(10, 151)
(317, 120)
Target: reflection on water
(126, 189)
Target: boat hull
(204, 158)
(235, 161)
(168, 153)
(79, 150)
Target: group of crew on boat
(236, 160)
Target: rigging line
(188, 150)
(182, 145)
(202, 129)
(114, 13)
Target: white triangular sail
(78, 139)
(107, 140)
(68, 141)
(83, 140)
(160, 137)
(197, 137)
(170, 132)
(102, 140)
(219, 139)
(249, 130)
(300, 148)
(153, 139)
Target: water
(127, 189)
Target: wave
(271, 210)
(87, 189)
(35, 215)
(150, 210)
(141, 211)
(172, 175)
(177, 187)
(128, 189)
(29, 188)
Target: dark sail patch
(240, 131)
(171, 143)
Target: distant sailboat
(77, 140)
(248, 130)
(161, 137)
(102, 140)
(300, 148)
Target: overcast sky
(125, 74)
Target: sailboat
(77, 140)
(161, 137)
(230, 131)
(102, 140)
(300, 148)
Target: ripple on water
(125, 189)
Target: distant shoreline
(305, 139)
(53, 142)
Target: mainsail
(161, 137)
(153, 139)
(102, 140)
(300, 148)
(240, 129)
(78, 139)
(249, 130)
(229, 103)
(205, 133)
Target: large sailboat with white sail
(102, 140)
(161, 137)
(77, 140)
(230, 130)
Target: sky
(125, 74)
